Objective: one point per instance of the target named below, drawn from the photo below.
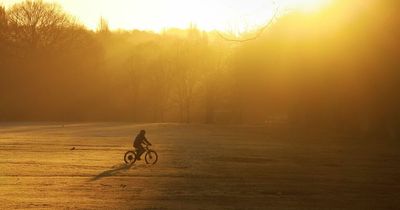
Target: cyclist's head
(142, 132)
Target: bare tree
(4, 29)
(3, 25)
(254, 35)
(214, 72)
(161, 80)
(103, 26)
(38, 24)
(189, 65)
(3, 19)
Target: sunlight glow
(305, 5)
(156, 15)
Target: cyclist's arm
(146, 141)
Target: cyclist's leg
(140, 151)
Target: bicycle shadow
(117, 169)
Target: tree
(189, 66)
(215, 84)
(3, 19)
(3, 29)
(37, 25)
(103, 26)
(251, 35)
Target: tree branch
(258, 33)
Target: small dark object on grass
(123, 185)
(73, 148)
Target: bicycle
(150, 156)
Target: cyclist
(139, 140)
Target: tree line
(335, 69)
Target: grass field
(199, 167)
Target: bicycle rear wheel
(151, 157)
(130, 157)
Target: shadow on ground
(116, 170)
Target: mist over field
(200, 167)
(294, 107)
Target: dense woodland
(336, 69)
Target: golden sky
(156, 15)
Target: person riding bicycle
(139, 140)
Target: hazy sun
(156, 15)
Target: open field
(200, 167)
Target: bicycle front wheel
(151, 157)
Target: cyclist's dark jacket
(139, 140)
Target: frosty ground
(199, 167)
